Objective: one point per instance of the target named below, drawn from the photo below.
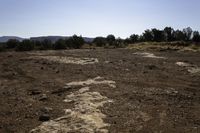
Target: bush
(99, 41)
(46, 44)
(25, 45)
(37, 44)
(2, 47)
(12, 43)
(110, 40)
(75, 42)
(60, 44)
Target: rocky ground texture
(102, 90)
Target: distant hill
(6, 38)
(55, 38)
(41, 38)
(87, 39)
(52, 38)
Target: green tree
(12, 43)
(119, 42)
(59, 44)
(99, 41)
(158, 35)
(46, 44)
(110, 40)
(148, 35)
(78, 41)
(2, 46)
(188, 33)
(134, 38)
(75, 42)
(196, 36)
(169, 34)
(179, 36)
(25, 45)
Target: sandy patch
(190, 68)
(95, 81)
(85, 117)
(162, 116)
(41, 53)
(148, 55)
(68, 60)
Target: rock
(57, 71)
(44, 62)
(46, 110)
(37, 61)
(144, 72)
(127, 69)
(61, 90)
(43, 97)
(35, 92)
(14, 73)
(151, 67)
(107, 62)
(10, 56)
(44, 117)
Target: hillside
(6, 38)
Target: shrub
(12, 43)
(110, 40)
(60, 44)
(2, 48)
(99, 41)
(25, 45)
(46, 44)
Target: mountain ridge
(41, 38)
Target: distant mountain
(88, 39)
(6, 38)
(41, 38)
(52, 38)
(55, 38)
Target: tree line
(168, 34)
(74, 42)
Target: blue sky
(92, 18)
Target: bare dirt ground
(113, 90)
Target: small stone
(68, 111)
(35, 92)
(43, 97)
(151, 67)
(62, 90)
(14, 73)
(107, 62)
(44, 117)
(46, 110)
(10, 56)
(57, 71)
(44, 63)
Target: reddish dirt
(151, 94)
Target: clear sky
(92, 18)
